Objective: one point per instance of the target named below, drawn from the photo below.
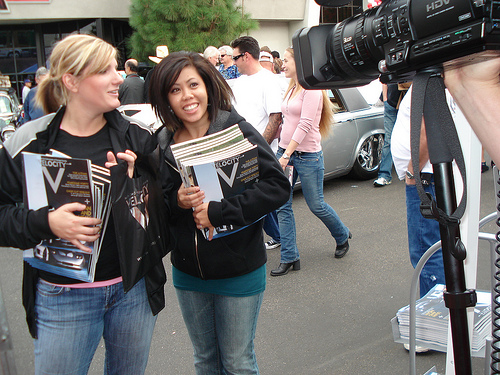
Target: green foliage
(190, 25)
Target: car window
(338, 106)
(371, 92)
(5, 105)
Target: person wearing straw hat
(161, 52)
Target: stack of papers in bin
(433, 316)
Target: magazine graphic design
(222, 164)
(137, 204)
(57, 180)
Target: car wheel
(368, 158)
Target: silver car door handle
(346, 120)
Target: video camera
(393, 41)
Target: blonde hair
(327, 111)
(80, 55)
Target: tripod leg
(438, 122)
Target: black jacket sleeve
(19, 227)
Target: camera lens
(353, 48)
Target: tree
(190, 25)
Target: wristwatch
(409, 175)
(285, 156)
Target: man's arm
(476, 89)
(384, 92)
(272, 127)
(423, 155)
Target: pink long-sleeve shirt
(301, 117)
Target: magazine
(54, 181)
(432, 318)
(222, 164)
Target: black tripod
(429, 100)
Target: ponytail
(50, 95)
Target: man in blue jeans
(422, 232)
(390, 95)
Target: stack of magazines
(54, 180)
(222, 164)
(433, 316)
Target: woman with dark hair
(219, 282)
(67, 317)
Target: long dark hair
(167, 72)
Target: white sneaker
(272, 244)
(381, 181)
(418, 348)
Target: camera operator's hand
(474, 83)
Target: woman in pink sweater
(307, 116)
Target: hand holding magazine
(222, 164)
(55, 181)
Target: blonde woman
(66, 317)
(307, 116)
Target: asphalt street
(331, 317)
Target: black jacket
(23, 228)
(131, 91)
(238, 253)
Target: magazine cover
(54, 181)
(225, 178)
(222, 164)
(206, 147)
(432, 317)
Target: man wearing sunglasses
(227, 67)
(258, 99)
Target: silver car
(355, 145)
(61, 257)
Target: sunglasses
(238, 56)
(221, 56)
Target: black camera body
(394, 41)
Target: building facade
(29, 28)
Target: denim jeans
(422, 234)
(390, 114)
(222, 331)
(271, 226)
(309, 166)
(71, 322)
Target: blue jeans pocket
(49, 290)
